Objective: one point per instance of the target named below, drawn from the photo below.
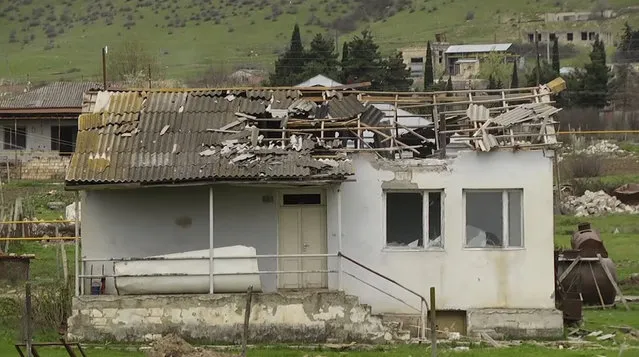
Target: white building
(330, 231)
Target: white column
(339, 238)
(77, 244)
(211, 240)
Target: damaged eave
(128, 186)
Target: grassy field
(61, 39)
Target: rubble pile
(596, 204)
(601, 147)
(175, 346)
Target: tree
(321, 58)
(494, 65)
(494, 83)
(555, 56)
(363, 62)
(625, 87)
(546, 74)
(131, 61)
(395, 76)
(596, 78)
(289, 67)
(628, 47)
(514, 78)
(429, 71)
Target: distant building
(583, 36)
(460, 61)
(319, 81)
(40, 126)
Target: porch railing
(423, 308)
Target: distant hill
(61, 39)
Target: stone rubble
(596, 204)
(601, 147)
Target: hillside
(61, 39)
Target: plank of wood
(569, 269)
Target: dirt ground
(175, 346)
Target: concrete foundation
(311, 317)
(304, 317)
(516, 323)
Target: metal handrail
(422, 298)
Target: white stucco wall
(143, 222)
(464, 278)
(151, 221)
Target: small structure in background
(40, 127)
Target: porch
(294, 238)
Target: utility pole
(538, 69)
(104, 73)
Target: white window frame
(505, 219)
(425, 216)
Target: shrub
(585, 166)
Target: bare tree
(131, 61)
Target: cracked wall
(275, 318)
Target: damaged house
(337, 214)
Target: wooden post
(247, 315)
(104, 73)
(442, 136)
(433, 323)
(28, 319)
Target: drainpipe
(77, 244)
(211, 240)
(339, 238)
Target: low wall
(45, 168)
(314, 317)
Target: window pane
(435, 219)
(404, 212)
(515, 231)
(484, 219)
(302, 199)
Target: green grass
(402, 351)
(186, 51)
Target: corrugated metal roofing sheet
(346, 107)
(524, 113)
(152, 137)
(498, 47)
(52, 95)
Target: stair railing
(423, 308)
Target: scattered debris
(175, 346)
(595, 204)
(605, 337)
(601, 147)
(164, 129)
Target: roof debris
(282, 134)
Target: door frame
(280, 204)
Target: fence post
(433, 323)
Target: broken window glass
(485, 217)
(406, 213)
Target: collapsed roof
(295, 134)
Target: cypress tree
(429, 72)
(555, 56)
(514, 79)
